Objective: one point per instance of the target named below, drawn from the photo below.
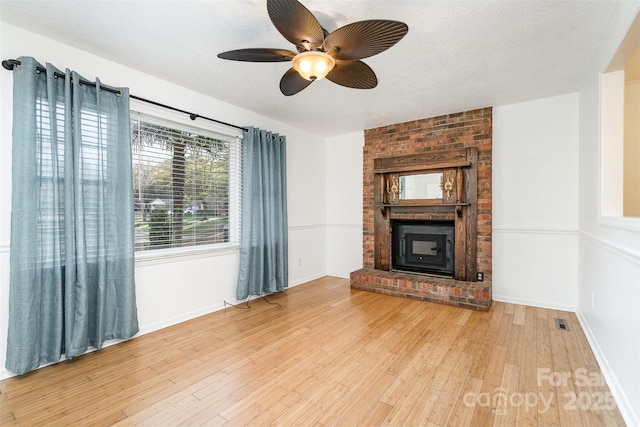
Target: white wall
(609, 264)
(535, 202)
(344, 203)
(612, 160)
(181, 288)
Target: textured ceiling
(458, 55)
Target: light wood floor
(331, 356)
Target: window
(620, 151)
(89, 176)
(50, 174)
(186, 184)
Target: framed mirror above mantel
(434, 186)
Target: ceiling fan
(334, 55)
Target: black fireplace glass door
(426, 248)
(423, 246)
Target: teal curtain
(72, 232)
(264, 264)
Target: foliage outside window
(186, 184)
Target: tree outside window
(181, 186)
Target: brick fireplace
(457, 148)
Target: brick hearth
(433, 135)
(472, 295)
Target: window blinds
(187, 184)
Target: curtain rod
(9, 64)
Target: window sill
(163, 256)
(628, 223)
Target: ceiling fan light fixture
(313, 65)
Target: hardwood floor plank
(330, 356)
(207, 411)
(450, 393)
(565, 388)
(366, 401)
(377, 414)
(465, 404)
(216, 421)
(159, 414)
(403, 407)
(422, 409)
(253, 406)
(266, 418)
(483, 413)
(108, 419)
(506, 408)
(402, 380)
(324, 404)
(316, 398)
(527, 411)
(519, 315)
(6, 416)
(548, 410)
(351, 397)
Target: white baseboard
(306, 279)
(624, 406)
(340, 275)
(534, 303)
(4, 374)
(179, 319)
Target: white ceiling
(458, 55)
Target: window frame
(157, 256)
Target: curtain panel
(72, 227)
(264, 267)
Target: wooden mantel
(460, 169)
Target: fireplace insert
(423, 246)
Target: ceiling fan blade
(365, 38)
(292, 83)
(353, 74)
(296, 23)
(258, 55)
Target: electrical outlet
(480, 276)
(299, 261)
